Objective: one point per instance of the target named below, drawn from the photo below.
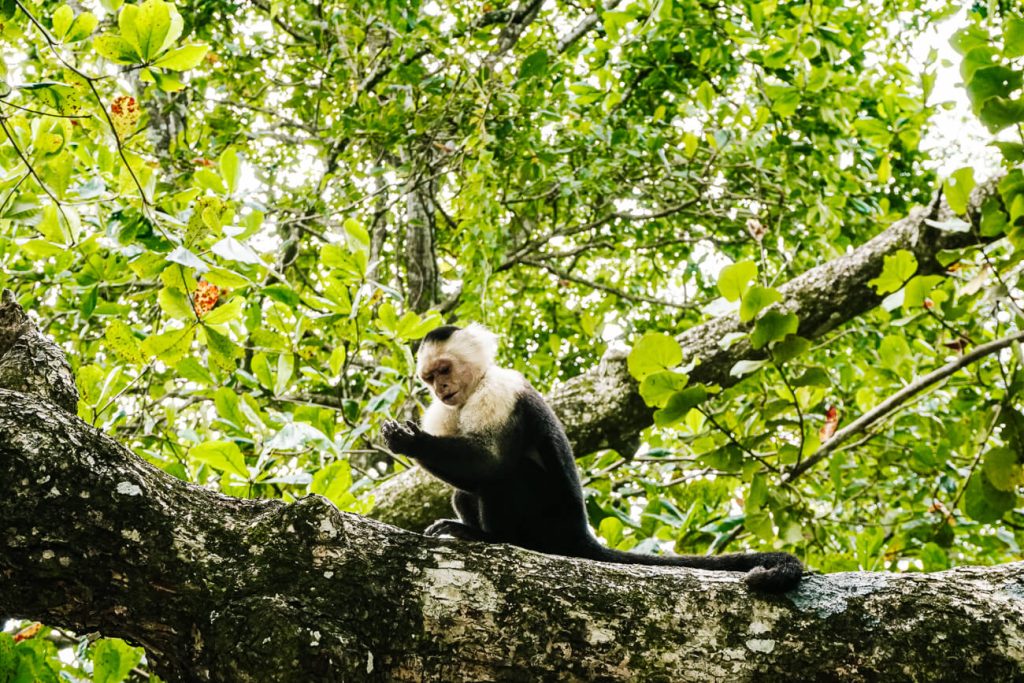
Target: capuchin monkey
(490, 435)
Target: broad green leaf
(183, 58)
(61, 21)
(170, 347)
(534, 65)
(658, 387)
(998, 113)
(223, 352)
(175, 304)
(120, 339)
(733, 280)
(985, 503)
(919, 287)
(756, 299)
(225, 312)
(333, 483)
(82, 27)
(1013, 37)
(679, 404)
(116, 49)
(790, 347)
(653, 352)
(957, 189)
(223, 456)
(1003, 469)
(992, 81)
(773, 326)
(113, 659)
(894, 352)
(896, 270)
(151, 24)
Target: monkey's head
(452, 361)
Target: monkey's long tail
(768, 572)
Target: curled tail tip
(778, 578)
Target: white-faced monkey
(489, 434)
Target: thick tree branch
(222, 589)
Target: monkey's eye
(443, 371)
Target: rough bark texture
(602, 408)
(222, 589)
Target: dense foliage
(237, 218)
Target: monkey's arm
(461, 462)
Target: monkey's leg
(467, 506)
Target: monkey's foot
(450, 527)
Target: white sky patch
(956, 137)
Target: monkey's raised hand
(401, 438)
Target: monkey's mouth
(447, 398)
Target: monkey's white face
(451, 379)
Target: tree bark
(602, 408)
(222, 589)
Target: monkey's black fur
(518, 484)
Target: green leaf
(1013, 38)
(150, 25)
(175, 304)
(893, 352)
(679, 405)
(998, 113)
(120, 339)
(223, 456)
(733, 280)
(957, 189)
(919, 287)
(113, 659)
(285, 367)
(261, 368)
(229, 167)
(985, 503)
(755, 300)
(992, 81)
(653, 352)
(658, 387)
(534, 65)
(1013, 152)
(183, 58)
(773, 326)
(83, 26)
(170, 347)
(745, 367)
(333, 483)
(225, 312)
(223, 351)
(897, 269)
(1002, 468)
(61, 21)
(789, 348)
(116, 49)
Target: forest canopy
(237, 219)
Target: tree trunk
(602, 407)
